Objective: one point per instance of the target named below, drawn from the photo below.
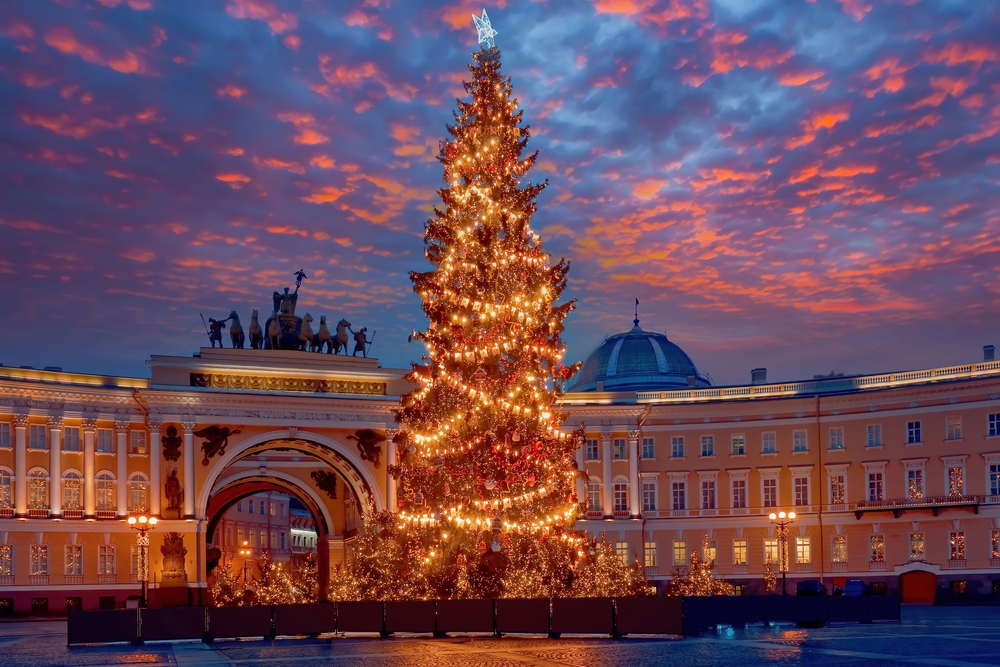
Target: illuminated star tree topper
(486, 31)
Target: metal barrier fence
(603, 616)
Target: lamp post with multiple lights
(246, 553)
(781, 520)
(142, 525)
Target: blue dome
(637, 360)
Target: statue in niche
(368, 444)
(171, 444)
(173, 552)
(174, 493)
(326, 481)
(216, 439)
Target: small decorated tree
(227, 588)
(305, 578)
(274, 585)
(699, 579)
(605, 573)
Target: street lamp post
(246, 553)
(782, 520)
(142, 525)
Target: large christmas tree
(486, 479)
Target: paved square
(955, 636)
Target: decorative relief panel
(268, 383)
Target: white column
(609, 489)
(154, 467)
(633, 473)
(390, 459)
(55, 465)
(581, 487)
(21, 465)
(188, 469)
(121, 458)
(89, 496)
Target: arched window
(106, 495)
(621, 494)
(38, 490)
(72, 491)
(6, 490)
(594, 503)
(138, 492)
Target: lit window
(957, 543)
(708, 494)
(648, 448)
(272, 508)
(800, 441)
(710, 552)
(106, 559)
(37, 437)
(837, 492)
(739, 552)
(708, 445)
(649, 551)
(680, 553)
(38, 490)
(678, 495)
(877, 547)
(620, 451)
(592, 450)
(72, 491)
(105, 441)
(6, 560)
(912, 432)
(874, 486)
(621, 496)
(874, 435)
(677, 447)
(956, 482)
(137, 442)
(770, 491)
(621, 550)
(594, 496)
(915, 483)
(39, 560)
(106, 492)
(839, 548)
(137, 493)
(648, 495)
(771, 552)
(739, 441)
(837, 437)
(803, 553)
(769, 443)
(801, 488)
(995, 544)
(916, 546)
(6, 489)
(74, 560)
(739, 493)
(71, 439)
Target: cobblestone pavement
(954, 636)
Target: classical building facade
(893, 477)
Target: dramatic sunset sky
(808, 186)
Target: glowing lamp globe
(152, 521)
(131, 521)
(791, 515)
(781, 515)
(772, 516)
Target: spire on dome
(636, 320)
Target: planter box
(583, 615)
(363, 616)
(306, 619)
(177, 623)
(650, 616)
(86, 627)
(409, 616)
(465, 616)
(521, 615)
(236, 622)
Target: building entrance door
(917, 587)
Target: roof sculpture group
(284, 330)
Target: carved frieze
(305, 385)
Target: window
(677, 495)
(710, 552)
(274, 540)
(649, 554)
(106, 559)
(771, 554)
(993, 425)
(618, 445)
(137, 491)
(680, 553)
(957, 543)
(272, 508)
(915, 483)
(837, 489)
(874, 486)
(137, 442)
(800, 441)
(739, 493)
(839, 548)
(874, 435)
(677, 447)
(263, 539)
(252, 540)
(105, 441)
(770, 492)
(912, 432)
(284, 540)
(239, 536)
(133, 561)
(71, 440)
(106, 492)
(38, 490)
(74, 560)
(995, 544)
(6, 560)
(994, 479)
(36, 437)
(837, 437)
(648, 495)
(708, 445)
(708, 494)
(916, 546)
(953, 428)
(739, 444)
(5, 434)
(877, 547)
(956, 483)
(72, 491)
(803, 553)
(621, 496)
(39, 560)
(592, 450)
(739, 552)
(251, 506)
(769, 443)
(594, 496)
(6, 489)
(648, 448)
(621, 550)
(801, 488)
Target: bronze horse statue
(236, 331)
(256, 333)
(340, 340)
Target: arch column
(89, 495)
(188, 469)
(390, 459)
(154, 426)
(609, 488)
(55, 465)
(21, 465)
(121, 458)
